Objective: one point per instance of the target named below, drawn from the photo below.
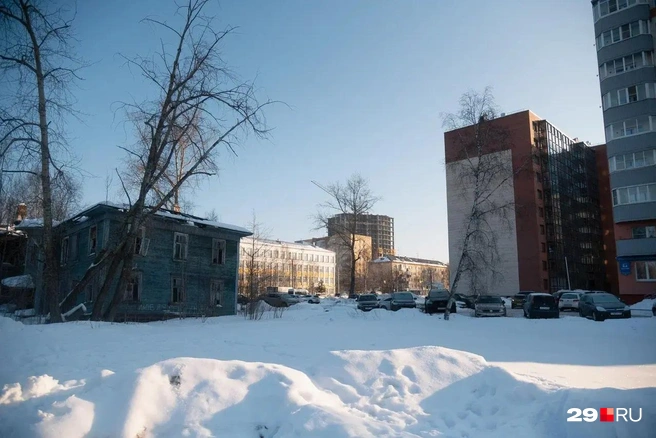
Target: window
(646, 271)
(72, 247)
(275, 253)
(539, 194)
(63, 257)
(218, 252)
(622, 33)
(634, 194)
(544, 265)
(624, 64)
(605, 7)
(216, 293)
(540, 211)
(633, 160)
(544, 247)
(538, 176)
(132, 291)
(93, 239)
(180, 243)
(177, 290)
(646, 232)
(141, 244)
(542, 229)
(629, 127)
(545, 284)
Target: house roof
(185, 218)
(402, 259)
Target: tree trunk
(123, 279)
(353, 265)
(51, 269)
(99, 302)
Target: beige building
(285, 264)
(363, 246)
(394, 273)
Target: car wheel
(580, 313)
(525, 314)
(454, 309)
(653, 311)
(596, 316)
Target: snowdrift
(424, 391)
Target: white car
(569, 301)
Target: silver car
(487, 305)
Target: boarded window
(177, 290)
(218, 251)
(180, 244)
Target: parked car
(398, 300)
(569, 301)
(586, 292)
(487, 305)
(366, 302)
(540, 305)
(242, 299)
(603, 306)
(353, 296)
(314, 299)
(467, 299)
(277, 299)
(519, 299)
(437, 300)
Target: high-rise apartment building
(379, 227)
(625, 33)
(554, 239)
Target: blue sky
(365, 81)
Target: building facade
(183, 265)
(285, 264)
(343, 258)
(397, 273)
(379, 227)
(553, 239)
(625, 35)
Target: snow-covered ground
(327, 371)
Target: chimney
(176, 208)
(21, 214)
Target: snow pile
(37, 386)
(644, 305)
(20, 281)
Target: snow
(644, 305)
(20, 281)
(198, 221)
(326, 370)
(35, 223)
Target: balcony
(636, 247)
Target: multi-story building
(625, 35)
(379, 227)
(285, 264)
(554, 238)
(343, 258)
(393, 273)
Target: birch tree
(36, 68)
(483, 178)
(253, 254)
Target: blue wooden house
(184, 265)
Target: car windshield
(490, 300)
(368, 298)
(438, 294)
(404, 296)
(605, 298)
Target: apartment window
(544, 265)
(132, 291)
(540, 211)
(538, 176)
(177, 290)
(539, 194)
(605, 7)
(93, 239)
(622, 33)
(72, 247)
(544, 247)
(625, 63)
(629, 127)
(63, 256)
(542, 229)
(218, 252)
(646, 271)
(275, 253)
(630, 94)
(180, 244)
(545, 284)
(141, 244)
(632, 160)
(216, 293)
(306, 257)
(646, 232)
(634, 194)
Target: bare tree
(36, 65)
(199, 106)
(255, 273)
(352, 200)
(212, 215)
(485, 179)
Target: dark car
(487, 305)
(603, 306)
(242, 299)
(541, 305)
(519, 299)
(437, 300)
(366, 302)
(467, 299)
